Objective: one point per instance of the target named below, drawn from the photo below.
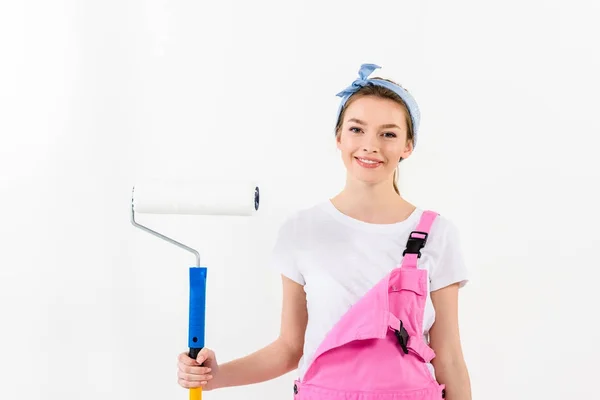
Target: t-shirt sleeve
(449, 265)
(282, 257)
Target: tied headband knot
(363, 75)
(363, 80)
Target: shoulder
(303, 217)
(298, 221)
(444, 250)
(292, 236)
(443, 230)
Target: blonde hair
(382, 92)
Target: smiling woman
(374, 131)
(370, 282)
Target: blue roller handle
(197, 310)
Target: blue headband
(363, 74)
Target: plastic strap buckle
(415, 244)
(402, 336)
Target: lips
(368, 162)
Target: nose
(370, 144)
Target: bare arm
(449, 363)
(279, 357)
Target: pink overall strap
(417, 239)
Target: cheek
(394, 153)
(346, 147)
(347, 153)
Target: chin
(370, 177)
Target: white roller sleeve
(200, 198)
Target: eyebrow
(385, 126)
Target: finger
(186, 359)
(193, 377)
(194, 370)
(190, 385)
(204, 355)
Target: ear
(408, 149)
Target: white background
(97, 95)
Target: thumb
(205, 355)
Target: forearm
(268, 363)
(455, 376)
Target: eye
(354, 129)
(390, 134)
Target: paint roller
(198, 198)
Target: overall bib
(376, 351)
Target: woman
(332, 254)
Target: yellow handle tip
(196, 394)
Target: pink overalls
(376, 351)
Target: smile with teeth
(367, 163)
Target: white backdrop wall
(97, 95)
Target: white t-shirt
(338, 259)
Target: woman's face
(372, 138)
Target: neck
(376, 203)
